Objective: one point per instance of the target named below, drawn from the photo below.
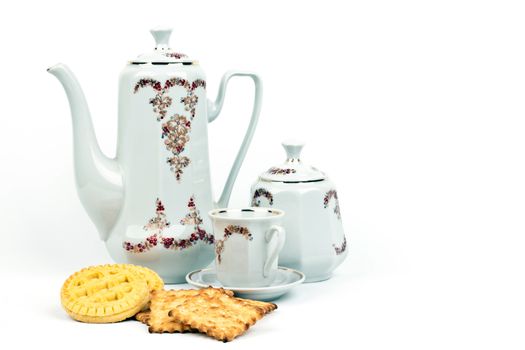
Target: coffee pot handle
(273, 250)
(214, 108)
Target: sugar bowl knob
(293, 149)
(162, 38)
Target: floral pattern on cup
(157, 224)
(340, 250)
(261, 192)
(280, 171)
(176, 130)
(332, 194)
(228, 231)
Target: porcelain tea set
(153, 204)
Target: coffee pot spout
(98, 178)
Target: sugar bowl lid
(163, 54)
(293, 169)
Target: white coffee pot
(149, 203)
(315, 241)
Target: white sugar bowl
(315, 241)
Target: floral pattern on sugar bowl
(340, 250)
(281, 171)
(261, 192)
(332, 194)
(176, 55)
(315, 240)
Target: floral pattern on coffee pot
(158, 224)
(175, 131)
(161, 167)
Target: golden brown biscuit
(163, 301)
(104, 294)
(152, 278)
(219, 315)
(143, 317)
(265, 306)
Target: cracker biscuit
(163, 301)
(265, 306)
(104, 294)
(219, 315)
(143, 317)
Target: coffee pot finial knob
(162, 37)
(293, 148)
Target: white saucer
(285, 280)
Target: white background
(414, 108)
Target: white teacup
(247, 245)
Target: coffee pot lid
(293, 169)
(163, 54)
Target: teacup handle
(272, 254)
